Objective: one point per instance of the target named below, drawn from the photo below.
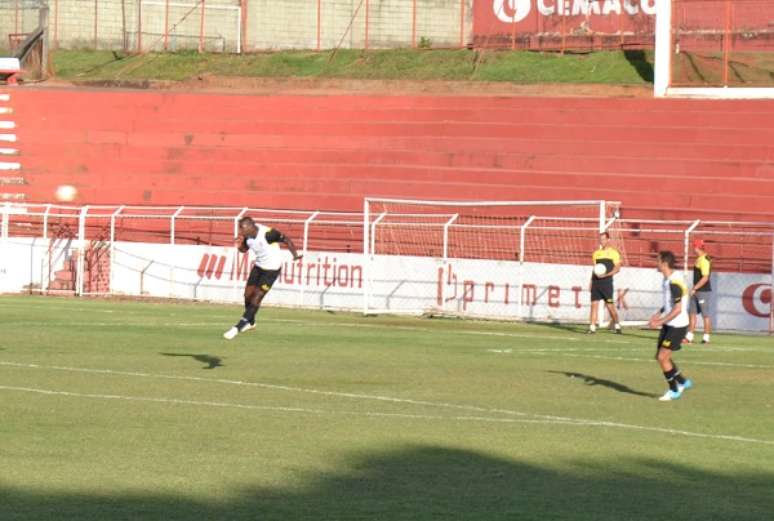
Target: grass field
(137, 410)
(610, 67)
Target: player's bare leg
(676, 381)
(253, 298)
(614, 317)
(691, 328)
(707, 330)
(593, 316)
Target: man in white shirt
(264, 242)
(673, 321)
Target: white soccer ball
(599, 269)
(66, 193)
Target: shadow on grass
(638, 59)
(628, 332)
(428, 482)
(211, 361)
(615, 386)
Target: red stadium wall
(673, 158)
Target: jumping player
(701, 293)
(601, 286)
(265, 244)
(673, 321)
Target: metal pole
(243, 27)
(238, 33)
(56, 25)
(726, 41)
(82, 253)
(96, 16)
(602, 215)
(307, 222)
(522, 243)
(771, 290)
(366, 262)
(201, 30)
(446, 256)
(462, 23)
(414, 24)
(373, 231)
(685, 245)
(319, 13)
(166, 25)
(6, 217)
(45, 221)
(172, 225)
(113, 245)
(366, 23)
(139, 26)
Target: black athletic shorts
(264, 279)
(671, 338)
(602, 291)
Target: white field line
(9, 138)
(469, 408)
(5, 97)
(269, 408)
(7, 125)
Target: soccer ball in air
(66, 193)
(599, 269)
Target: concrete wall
(269, 24)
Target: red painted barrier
(674, 157)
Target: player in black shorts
(601, 286)
(264, 242)
(672, 318)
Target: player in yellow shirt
(601, 286)
(701, 293)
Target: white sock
(592, 327)
(706, 337)
(617, 325)
(689, 336)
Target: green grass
(136, 410)
(613, 67)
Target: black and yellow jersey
(607, 256)
(702, 268)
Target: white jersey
(265, 246)
(675, 291)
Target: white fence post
(445, 260)
(6, 218)
(686, 242)
(522, 245)
(82, 248)
(113, 245)
(305, 246)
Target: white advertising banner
(397, 284)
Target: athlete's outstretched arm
(292, 247)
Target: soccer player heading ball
(264, 242)
(673, 321)
(607, 262)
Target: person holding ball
(607, 262)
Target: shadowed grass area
(611, 67)
(140, 410)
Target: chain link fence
(235, 26)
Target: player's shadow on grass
(615, 386)
(628, 332)
(211, 361)
(414, 482)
